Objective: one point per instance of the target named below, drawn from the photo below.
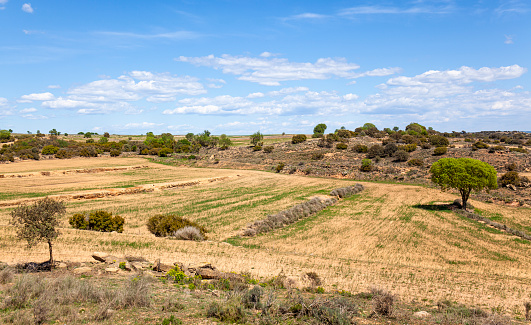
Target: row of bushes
(98, 221)
(289, 216)
(348, 191)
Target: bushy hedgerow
(288, 216)
(100, 220)
(348, 191)
(162, 225)
(114, 152)
(298, 138)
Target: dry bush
(189, 233)
(527, 306)
(136, 293)
(6, 275)
(383, 301)
(27, 287)
(348, 191)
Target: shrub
(408, 147)
(439, 151)
(401, 155)
(383, 302)
(496, 148)
(163, 225)
(360, 148)
(268, 149)
(390, 149)
(279, 167)
(64, 154)
(341, 146)
(251, 299)
(49, 150)
(366, 165)
(88, 151)
(480, 145)
(229, 311)
(164, 152)
(325, 142)
(521, 150)
(343, 133)
(415, 162)
(257, 148)
(438, 141)
(114, 152)
(100, 220)
(188, 233)
(511, 177)
(298, 138)
(425, 145)
(375, 151)
(317, 155)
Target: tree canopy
(37, 223)
(319, 128)
(463, 174)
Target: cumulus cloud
(271, 71)
(27, 8)
(291, 102)
(37, 96)
(34, 117)
(54, 86)
(3, 101)
(28, 110)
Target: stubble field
(394, 236)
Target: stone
(99, 256)
(82, 270)
(62, 265)
(112, 270)
(511, 187)
(421, 314)
(159, 267)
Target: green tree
(319, 129)
(53, 132)
(463, 174)
(37, 223)
(5, 135)
(256, 138)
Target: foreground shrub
(279, 167)
(438, 141)
(114, 152)
(298, 138)
(341, 146)
(228, 311)
(100, 220)
(162, 225)
(49, 150)
(408, 147)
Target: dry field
(393, 236)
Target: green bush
(162, 225)
(114, 152)
(366, 165)
(279, 167)
(376, 151)
(98, 221)
(317, 155)
(521, 150)
(480, 145)
(268, 149)
(360, 148)
(164, 152)
(341, 146)
(49, 150)
(298, 138)
(439, 151)
(438, 141)
(257, 148)
(408, 147)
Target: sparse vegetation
(163, 225)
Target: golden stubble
(389, 235)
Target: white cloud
(54, 86)
(27, 8)
(256, 95)
(307, 16)
(34, 117)
(177, 35)
(37, 96)
(215, 83)
(508, 39)
(28, 110)
(464, 75)
(143, 125)
(420, 8)
(3, 101)
(62, 103)
(271, 71)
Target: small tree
(319, 129)
(463, 174)
(256, 138)
(37, 223)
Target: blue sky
(235, 67)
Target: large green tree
(319, 129)
(38, 222)
(463, 174)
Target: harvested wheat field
(395, 236)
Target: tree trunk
(465, 194)
(51, 256)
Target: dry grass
(395, 236)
